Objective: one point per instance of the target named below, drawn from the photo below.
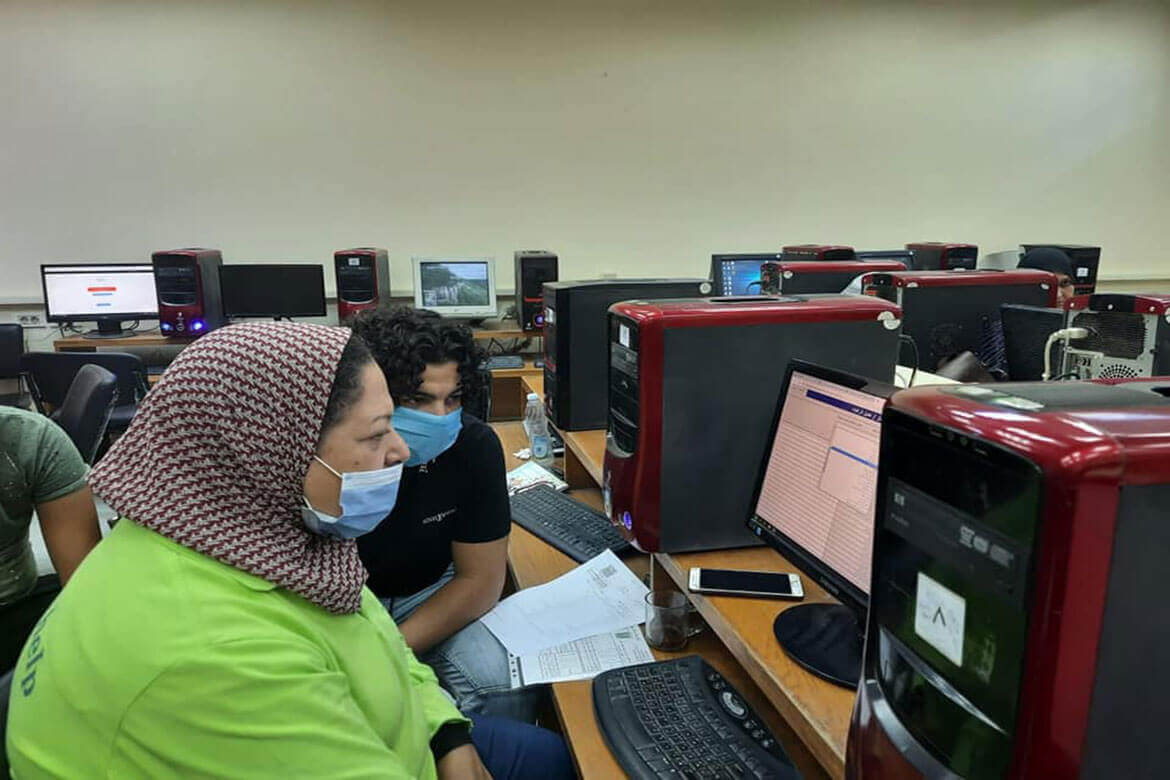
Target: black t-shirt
(460, 496)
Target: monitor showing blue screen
(737, 274)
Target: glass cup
(668, 622)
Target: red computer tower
(363, 279)
(797, 252)
(949, 312)
(692, 389)
(1016, 621)
(187, 285)
(793, 278)
(940, 256)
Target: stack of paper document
(593, 601)
(529, 474)
(583, 659)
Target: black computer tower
(1025, 332)
(533, 269)
(576, 342)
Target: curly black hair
(405, 341)
(347, 382)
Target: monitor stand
(826, 639)
(111, 329)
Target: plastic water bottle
(536, 426)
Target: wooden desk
(584, 458)
(816, 710)
(508, 391)
(532, 562)
(82, 344)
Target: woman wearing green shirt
(222, 628)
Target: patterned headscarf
(217, 455)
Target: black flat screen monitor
(814, 503)
(277, 290)
(105, 293)
(738, 274)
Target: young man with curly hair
(438, 561)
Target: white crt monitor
(455, 287)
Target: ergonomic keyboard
(503, 361)
(681, 719)
(577, 530)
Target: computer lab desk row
(809, 716)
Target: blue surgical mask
(366, 498)
(427, 435)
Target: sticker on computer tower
(939, 614)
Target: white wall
(630, 136)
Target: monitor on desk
(455, 287)
(106, 293)
(277, 290)
(814, 503)
(738, 274)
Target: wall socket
(31, 320)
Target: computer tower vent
(1106, 369)
(1119, 334)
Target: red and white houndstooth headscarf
(217, 455)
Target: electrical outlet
(32, 320)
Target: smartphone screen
(750, 581)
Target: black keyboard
(681, 719)
(503, 361)
(577, 530)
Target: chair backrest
(11, 348)
(85, 412)
(51, 373)
(5, 690)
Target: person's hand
(462, 763)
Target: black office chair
(11, 348)
(85, 412)
(49, 375)
(5, 690)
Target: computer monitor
(462, 287)
(107, 293)
(814, 502)
(904, 256)
(738, 274)
(277, 290)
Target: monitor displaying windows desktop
(106, 293)
(815, 504)
(738, 274)
(455, 287)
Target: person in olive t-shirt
(438, 561)
(40, 470)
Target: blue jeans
(518, 751)
(471, 664)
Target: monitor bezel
(490, 309)
(231, 315)
(67, 319)
(835, 584)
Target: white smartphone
(731, 582)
